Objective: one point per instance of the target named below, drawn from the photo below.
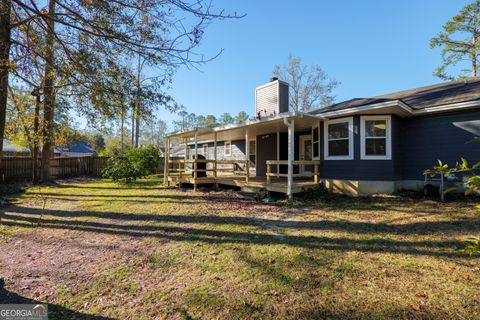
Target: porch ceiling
(258, 127)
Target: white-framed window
(205, 150)
(228, 148)
(338, 139)
(316, 142)
(375, 138)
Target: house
(76, 149)
(11, 149)
(361, 146)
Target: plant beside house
(472, 185)
(134, 163)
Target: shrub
(145, 160)
(135, 163)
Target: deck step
(252, 189)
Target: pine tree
(460, 42)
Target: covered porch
(255, 155)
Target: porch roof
(303, 121)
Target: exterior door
(305, 152)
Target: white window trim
(317, 126)
(326, 156)
(205, 153)
(388, 146)
(229, 153)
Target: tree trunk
(137, 126)
(49, 94)
(36, 140)
(137, 102)
(122, 129)
(474, 55)
(5, 11)
(133, 125)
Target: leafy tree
(113, 147)
(20, 120)
(98, 142)
(460, 41)
(310, 86)
(182, 123)
(155, 133)
(210, 121)
(133, 164)
(191, 120)
(242, 116)
(201, 121)
(226, 118)
(69, 28)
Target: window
(316, 142)
(205, 150)
(339, 139)
(228, 148)
(375, 138)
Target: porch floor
(254, 184)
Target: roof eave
(280, 116)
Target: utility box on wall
(271, 98)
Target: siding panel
(443, 136)
(358, 169)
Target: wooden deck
(236, 173)
(254, 184)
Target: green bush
(145, 160)
(134, 163)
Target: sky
(372, 47)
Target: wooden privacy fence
(78, 166)
(17, 169)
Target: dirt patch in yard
(142, 251)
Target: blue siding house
(361, 146)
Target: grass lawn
(101, 250)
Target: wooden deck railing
(183, 168)
(313, 174)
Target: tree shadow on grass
(333, 312)
(378, 240)
(54, 311)
(456, 226)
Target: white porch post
(166, 158)
(196, 143)
(247, 155)
(215, 159)
(215, 147)
(186, 149)
(278, 151)
(291, 155)
(195, 166)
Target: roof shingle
(419, 98)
